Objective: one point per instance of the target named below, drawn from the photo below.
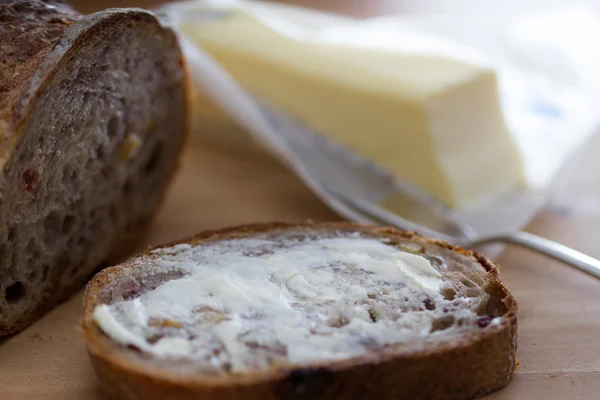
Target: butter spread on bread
(262, 300)
(315, 285)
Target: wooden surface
(559, 319)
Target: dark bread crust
(470, 367)
(39, 37)
(29, 30)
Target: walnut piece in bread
(74, 90)
(275, 311)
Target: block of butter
(429, 119)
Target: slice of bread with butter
(320, 311)
(433, 120)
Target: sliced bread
(305, 311)
(92, 117)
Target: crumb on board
(517, 365)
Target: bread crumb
(130, 147)
(517, 365)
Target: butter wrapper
(546, 64)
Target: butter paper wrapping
(546, 63)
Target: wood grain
(559, 322)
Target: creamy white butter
(414, 105)
(244, 303)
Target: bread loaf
(92, 118)
(314, 311)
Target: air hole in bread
(442, 323)
(68, 224)
(449, 293)
(74, 179)
(339, 321)
(436, 261)
(75, 268)
(472, 292)
(113, 128)
(31, 247)
(81, 241)
(32, 250)
(3, 256)
(495, 306)
(45, 272)
(14, 292)
(477, 279)
(89, 164)
(429, 304)
(127, 187)
(134, 348)
(66, 174)
(107, 171)
(99, 153)
(33, 274)
(154, 159)
(257, 253)
(154, 338)
(373, 315)
(467, 282)
(52, 227)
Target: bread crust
(57, 32)
(469, 368)
(30, 30)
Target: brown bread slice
(468, 349)
(92, 118)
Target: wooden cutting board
(559, 319)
